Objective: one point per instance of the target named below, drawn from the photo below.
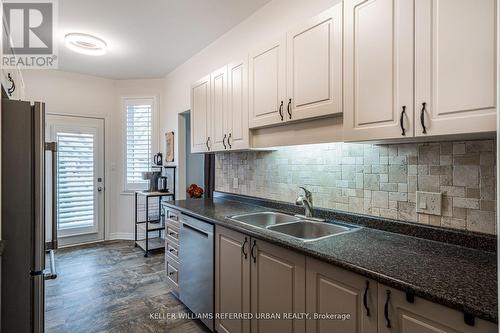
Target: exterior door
(237, 105)
(232, 279)
(218, 84)
(378, 71)
(330, 289)
(314, 67)
(200, 115)
(455, 66)
(80, 177)
(267, 85)
(277, 286)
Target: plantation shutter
(139, 128)
(75, 181)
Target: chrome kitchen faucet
(306, 201)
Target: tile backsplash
(379, 180)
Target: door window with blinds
(75, 181)
(139, 128)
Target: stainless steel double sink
(302, 228)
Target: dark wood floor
(111, 287)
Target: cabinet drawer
(172, 249)
(172, 273)
(172, 217)
(172, 234)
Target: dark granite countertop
(458, 277)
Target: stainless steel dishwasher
(196, 276)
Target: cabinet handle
(251, 251)
(365, 299)
(280, 110)
(422, 118)
(243, 248)
(229, 142)
(401, 120)
(386, 310)
(224, 141)
(208, 140)
(12, 87)
(289, 108)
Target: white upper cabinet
(220, 110)
(314, 67)
(200, 115)
(237, 106)
(267, 87)
(220, 114)
(378, 69)
(436, 59)
(455, 66)
(394, 69)
(298, 76)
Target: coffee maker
(152, 176)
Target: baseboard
(80, 244)
(121, 235)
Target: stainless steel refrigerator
(24, 271)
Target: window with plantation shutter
(139, 138)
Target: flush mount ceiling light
(85, 44)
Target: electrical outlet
(429, 202)
(235, 183)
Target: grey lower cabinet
(332, 291)
(254, 276)
(398, 315)
(277, 279)
(232, 280)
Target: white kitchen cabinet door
(200, 115)
(218, 97)
(314, 67)
(455, 66)
(397, 315)
(237, 106)
(378, 69)
(267, 86)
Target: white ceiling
(146, 38)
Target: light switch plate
(235, 183)
(429, 202)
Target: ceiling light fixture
(85, 44)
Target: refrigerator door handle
(52, 147)
(51, 274)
